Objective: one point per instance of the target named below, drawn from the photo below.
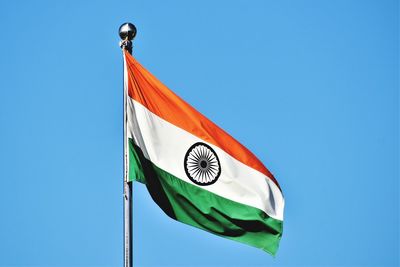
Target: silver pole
(127, 32)
(128, 233)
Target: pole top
(127, 31)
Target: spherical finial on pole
(127, 32)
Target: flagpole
(127, 32)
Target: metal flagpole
(127, 32)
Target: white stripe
(165, 145)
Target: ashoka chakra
(202, 164)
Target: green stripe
(198, 207)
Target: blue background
(311, 87)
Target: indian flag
(196, 172)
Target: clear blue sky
(311, 87)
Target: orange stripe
(156, 97)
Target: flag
(196, 172)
